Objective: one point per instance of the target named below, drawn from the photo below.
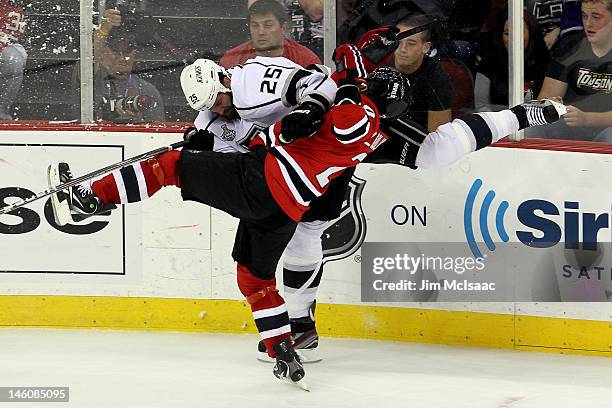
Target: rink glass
(168, 35)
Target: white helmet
(201, 83)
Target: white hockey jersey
(264, 90)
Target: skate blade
(300, 384)
(265, 358)
(307, 356)
(559, 107)
(61, 209)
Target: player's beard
(230, 113)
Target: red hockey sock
(140, 180)
(164, 167)
(106, 189)
(268, 307)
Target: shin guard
(268, 307)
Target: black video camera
(123, 110)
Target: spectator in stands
(491, 89)
(12, 54)
(430, 85)
(120, 95)
(306, 23)
(268, 27)
(571, 19)
(581, 74)
(548, 15)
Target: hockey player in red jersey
(254, 96)
(270, 188)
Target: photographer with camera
(120, 94)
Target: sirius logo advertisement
(543, 223)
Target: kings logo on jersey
(345, 235)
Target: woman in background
(491, 86)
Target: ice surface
(158, 369)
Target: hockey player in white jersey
(253, 96)
(236, 104)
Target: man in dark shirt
(581, 74)
(431, 89)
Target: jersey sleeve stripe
(290, 90)
(268, 136)
(353, 133)
(321, 82)
(298, 194)
(320, 68)
(346, 131)
(260, 105)
(298, 170)
(265, 65)
(264, 135)
(301, 192)
(317, 98)
(354, 136)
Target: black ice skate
(538, 112)
(288, 365)
(76, 203)
(305, 340)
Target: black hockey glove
(304, 121)
(201, 139)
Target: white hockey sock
(501, 123)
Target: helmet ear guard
(201, 83)
(390, 91)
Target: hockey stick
(375, 53)
(93, 174)
(415, 30)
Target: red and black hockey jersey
(12, 22)
(298, 172)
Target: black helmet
(390, 92)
